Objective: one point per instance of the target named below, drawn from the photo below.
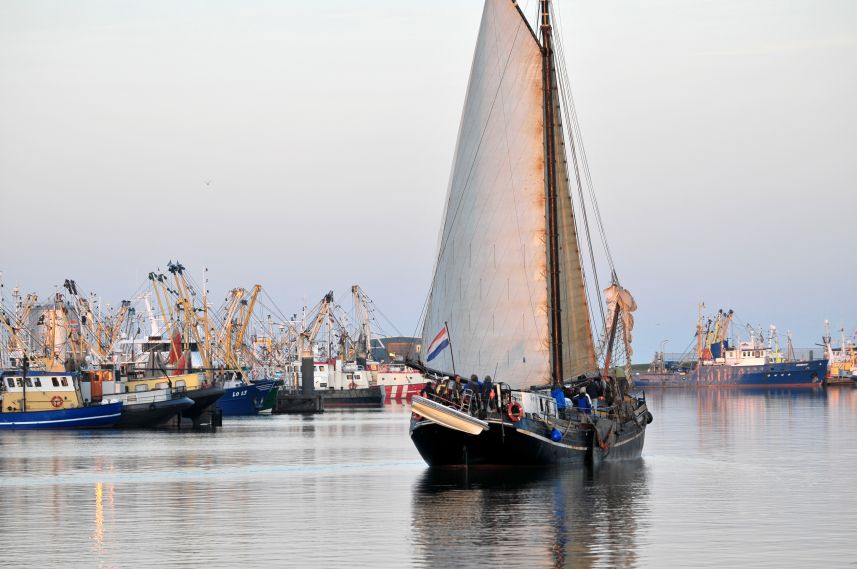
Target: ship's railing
(467, 402)
(146, 396)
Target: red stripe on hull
(396, 393)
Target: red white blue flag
(437, 345)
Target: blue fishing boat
(721, 362)
(243, 397)
(50, 400)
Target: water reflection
(728, 478)
(548, 517)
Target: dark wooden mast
(548, 86)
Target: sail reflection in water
(551, 517)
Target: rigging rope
(575, 142)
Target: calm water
(728, 478)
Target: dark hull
(271, 397)
(80, 418)
(654, 379)
(791, 374)
(147, 415)
(363, 398)
(526, 443)
(248, 399)
(785, 374)
(203, 399)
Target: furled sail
(490, 285)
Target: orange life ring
(515, 411)
(56, 401)
(352, 385)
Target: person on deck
(440, 388)
(476, 393)
(584, 404)
(593, 390)
(455, 388)
(559, 395)
(488, 393)
(428, 390)
(608, 391)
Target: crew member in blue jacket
(584, 405)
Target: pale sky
(307, 147)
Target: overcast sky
(306, 146)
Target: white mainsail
(491, 278)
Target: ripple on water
(727, 478)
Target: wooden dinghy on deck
(447, 416)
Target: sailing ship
(509, 296)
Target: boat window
(20, 382)
(64, 381)
(141, 387)
(38, 382)
(10, 381)
(316, 368)
(180, 383)
(320, 368)
(29, 382)
(166, 385)
(55, 382)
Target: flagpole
(451, 354)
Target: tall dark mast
(548, 86)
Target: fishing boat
(509, 297)
(243, 396)
(196, 386)
(142, 407)
(50, 400)
(345, 385)
(842, 361)
(723, 361)
(660, 374)
(400, 382)
(373, 353)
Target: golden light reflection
(98, 531)
(103, 493)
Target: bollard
(307, 376)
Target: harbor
(280, 489)
(286, 284)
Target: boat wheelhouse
(51, 400)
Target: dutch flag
(438, 344)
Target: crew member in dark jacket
(594, 392)
(488, 393)
(428, 390)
